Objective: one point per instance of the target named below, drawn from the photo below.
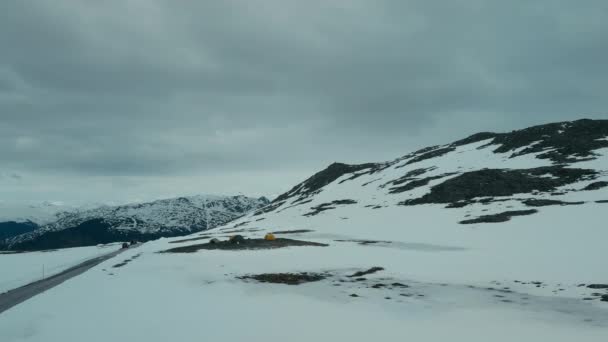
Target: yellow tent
(270, 237)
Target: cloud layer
(213, 96)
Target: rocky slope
(519, 172)
(145, 221)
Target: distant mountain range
(49, 226)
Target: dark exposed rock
(344, 201)
(476, 138)
(271, 207)
(363, 273)
(295, 204)
(546, 202)
(501, 217)
(437, 152)
(204, 237)
(247, 244)
(295, 231)
(459, 204)
(412, 175)
(319, 180)
(328, 206)
(285, 278)
(563, 141)
(413, 184)
(241, 224)
(598, 286)
(364, 242)
(602, 201)
(596, 186)
(501, 182)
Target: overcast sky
(126, 100)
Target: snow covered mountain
(486, 178)
(169, 217)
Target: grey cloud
(153, 88)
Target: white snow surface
(520, 280)
(19, 269)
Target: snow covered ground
(462, 285)
(23, 268)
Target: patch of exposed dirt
(285, 278)
(501, 217)
(247, 244)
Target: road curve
(21, 294)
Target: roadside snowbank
(19, 269)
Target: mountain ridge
(541, 159)
(138, 221)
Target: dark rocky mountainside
(11, 228)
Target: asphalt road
(21, 294)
